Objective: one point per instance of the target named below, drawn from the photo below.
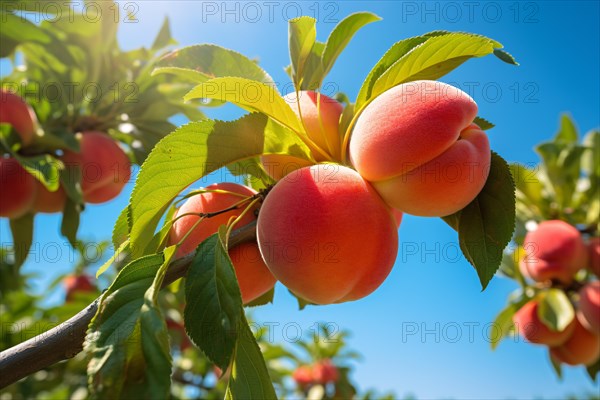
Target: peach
(531, 327)
(15, 111)
(417, 144)
(105, 168)
(325, 233)
(303, 375)
(583, 347)
(554, 251)
(18, 189)
(325, 372)
(47, 201)
(594, 255)
(78, 284)
(253, 276)
(589, 307)
(320, 116)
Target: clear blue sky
(431, 289)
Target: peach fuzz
(583, 347)
(417, 144)
(554, 251)
(531, 327)
(47, 201)
(105, 168)
(320, 116)
(15, 111)
(325, 233)
(253, 276)
(594, 255)
(18, 189)
(588, 311)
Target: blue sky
(424, 331)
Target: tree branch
(65, 341)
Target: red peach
(78, 284)
(320, 116)
(417, 144)
(105, 168)
(325, 372)
(15, 111)
(303, 375)
(554, 251)
(325, 233)
(583, 347)
(530, 326)
(594, 255)
(18, 189)
(589, 307)
(47, 201)
(253, 276)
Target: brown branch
(66, 340)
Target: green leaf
(263, 299)
(483, 123)
(22, 235)
(164, 38)
(341, 36)
(433, 59)
(486, 225)
(209, 61)
(590, 160)
(397, 51)
(193, 151)
(21, 30)
(504, 323)
(555, 310)
(567, 132)
(70, 221)
(44, 168)
(562, 166)
(127, 338)
(213, 308)
(249, 375)
(556, 366)
(250, 95)
(302, 37)
(593, 370)
(505, 56)
(121, 228)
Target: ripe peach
(583, 347)
(47, 201)
(530, 326)
(325, 372)
(15, 111)
(325, 233)
(320, 116)
(417, 144)
(78, 284)
(303, 375)
(594, 255)
(555, 250)
(18, 189)
(253, 276)
(589, 307)
(105, 168)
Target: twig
(65, 341)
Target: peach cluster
(554, 254)
(104, 166)
(328, 229)
(322, 372)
